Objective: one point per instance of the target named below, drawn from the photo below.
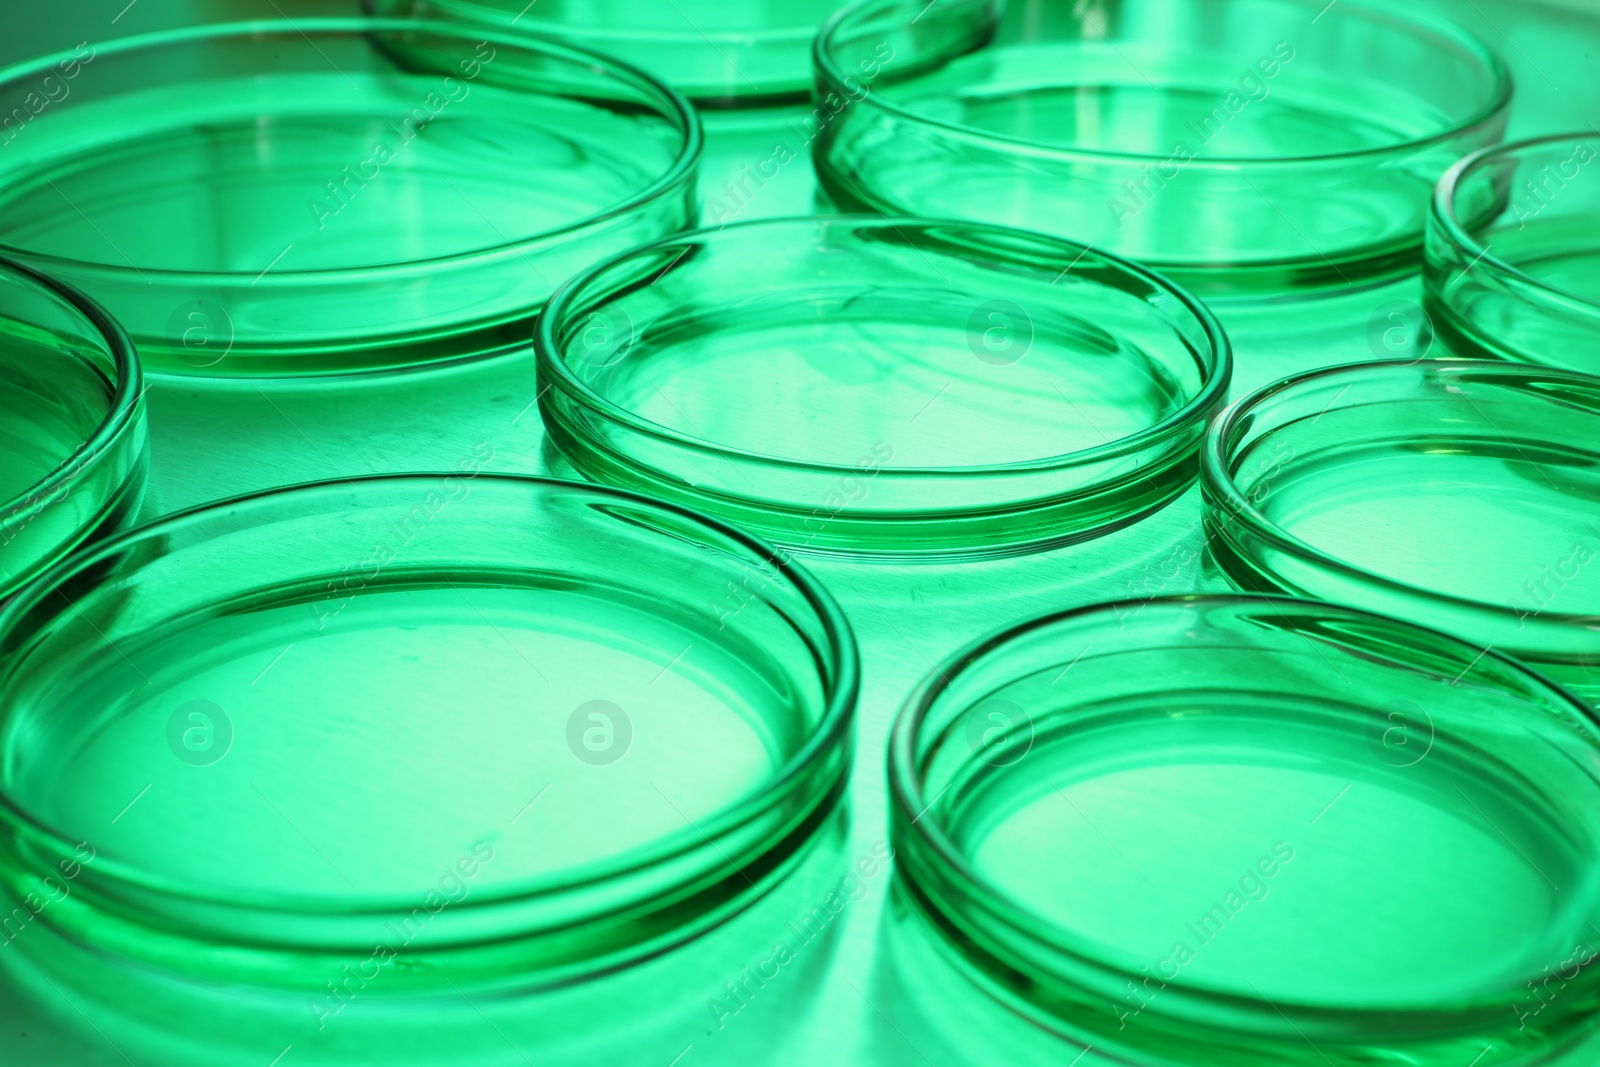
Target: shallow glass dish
(869, 386)
(326, 196)
(72, 424)
(1257, 831)
(1243, 147)
(1459, 494)
(1513, 266)
(513, 731)
(717, 54)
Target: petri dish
(719, 55)
(334, 195)
(1513, 264)
(1459, 494)
(1243, 147)
(503, 729)
(862, 386)
(72, 424)
(1257, 830)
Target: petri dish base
(1257, 831)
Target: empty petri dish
(326, 196)
(511, 731)
(72, 424)
(870, 386)
(1243, 147)
(1257, 830)
(717, 54)
(1513, 265)
(1459, 494)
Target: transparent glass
(72, 424)
(1257, 831)
(513, 732)
(1513, 268)
(1459, 494)
(327, 196)
(865, 386)
(1243, 147)
(718, 54)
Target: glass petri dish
(72, 424)
(1459, 494)
(717, 54)
(326, 196)
(1243, 147)
(502, 728)
(867, 386)
(1513, 265)
(1257, 830)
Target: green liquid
(1022, 92)
(335, 169)
(824, 378)
(1502, 520)
(51, 403)
(1155, 838)
(369, 754)
(1562, 252)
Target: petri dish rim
(1214, 383)
(908, 803)
(682, 112)
(1495, 63)
(127, 391)
(832, 730)
(1214, 476)
(1447, 221)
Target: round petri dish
(1459, 494)
(327, 196)
(1243, 147)
(719, 55)
(511, 731)
(1513, 264)
(72, 424)
(869, 386)
(1257, 830)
